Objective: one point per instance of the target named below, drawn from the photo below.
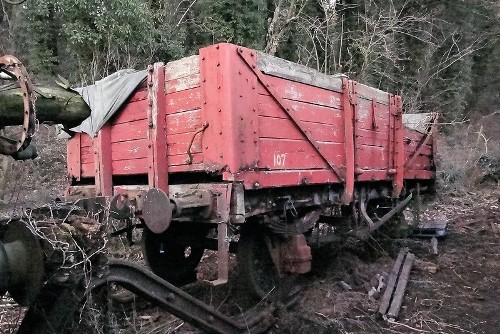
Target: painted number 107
(279, 159)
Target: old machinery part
(257, 265)
(294, 255)
(171, 257)
(364, 234)
(157, 211)
(119, 207)
(21, 263)
(298, 225)
(11, 68)
(198, 204)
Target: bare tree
(285, 13)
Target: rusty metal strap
(249, 58)
(14, 69)
(182, 305)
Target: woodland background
(441, 55)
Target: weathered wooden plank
(183, 159)
(183, 83)
(283, 178)
(391, 282)
(187, 121)
(87, 157)
(73, 151)
(371, 157)
(85, 140)
(139, 95)
(181, 68)
(297, 154)
(129, 131)
(185, 100)
(420, 174)
(368, 93)
(130, 166)
(425, 150)
(372, 137)
(303, 111)
(397, 301)
(132, 149)
(291, 71)
(280, 128)
(88, 170)
(373, 175)
(132, 111)
(421, 162)
(296, 91)
(179, 143)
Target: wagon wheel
(171, 257)
(256, 269)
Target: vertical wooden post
(157, 129)
(103, 162)
(73, 150)
(349, 103)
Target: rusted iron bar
(363, 234)
(184, 306)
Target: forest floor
(456, 291)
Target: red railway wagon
(236, 147)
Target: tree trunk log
(54, 104)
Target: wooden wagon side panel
(419, 154)
(128, 136)
(183, 116)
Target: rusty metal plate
(157, 211)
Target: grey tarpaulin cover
(106, 96)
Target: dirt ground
(456, 291)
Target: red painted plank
(425, 150)
(421, 162)
(126, 150)
(141, 93)
(179, 143)
(87, 157)
(158, 132)
(283, 178)
(73, 151)
(88, 170)
(187, 121)
(296, 91)
(85, 140)
(270, 127)
(129, 131)
(185, 100)
(297, 154)
(130, 167)
(303, 111)
(132, 111)
(372, 138)
(420, 174)
(183, 83)
(374, 175)
(182, 159)
(102, 160)
(371, 157)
